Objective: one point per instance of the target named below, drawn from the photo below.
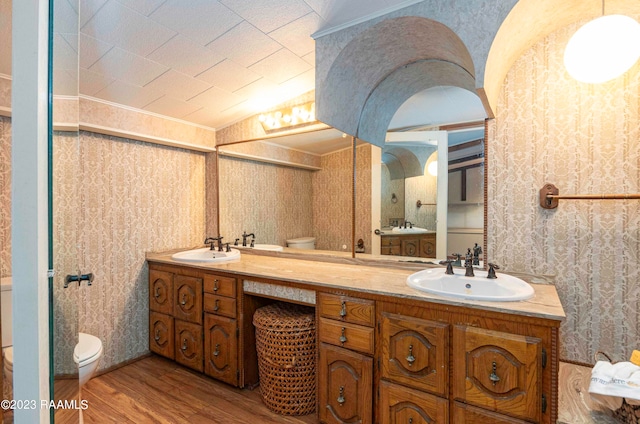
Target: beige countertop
(365, 278)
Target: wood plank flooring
(155, 390)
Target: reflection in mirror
(292, 191)
(431, 217)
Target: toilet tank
(5, 304)
(302, 243)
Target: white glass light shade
(603, 49)
(432, 168)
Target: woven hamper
(286, 346)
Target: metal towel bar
(549, 196)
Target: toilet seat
(8, 357)
(88, 349)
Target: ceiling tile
(66, 57)
(280, 66)
(169, 106)
(65, 82)
(229, 76)
(299, 84)
(245, 44)
(145, 7)
(215, 99)
(92, 82)
(184, 55)
(91, 50)
(267, 15)
(128, 67)
(296, 36)
(258, 91)
(177, 85)
(233, 114)
(200, 20)
(127, 29)
(127, 94)
(65, 17)
(310, 58)
(204, 116)
(88, 8)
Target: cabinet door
(189, 344)
(401, 405)
(467, 414)
(161, 334)
(187, 293)
(345, 386)
(498, 371)
(221, 348)
(428, 247)
(161, 291)
(415, 352)
(410, 247)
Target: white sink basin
(414, 230)
(257, 246)
(205, 254)
(505, 288)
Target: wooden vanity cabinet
(414, 245)
(345, 382)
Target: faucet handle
(448, 263)
(492, 271)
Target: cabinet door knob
(184, 344)
(184, 299)
(157, 292)
(215, 285)
(411, 359)
(341, 400)
(493, 376)
(216, 352)
(216, 306)
(343, 309)
(157, 336)
(343, 337)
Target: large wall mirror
(288, 188)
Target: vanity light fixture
(603, 48)
(289, 118)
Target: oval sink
(505, 288)
(257, 246)
(414, 230)
(205, 254)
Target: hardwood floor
(155, 390)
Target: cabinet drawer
(189, 344)
(161, 291)
(415, 352)
(220, 305)
(161, 334)
(187, 294)
(400, 404)
(347, 309)
(222, 286)
(355, 337)
(467, 414)
(498, 371)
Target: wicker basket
(286, 346)
(628, 414)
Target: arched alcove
(383, 66)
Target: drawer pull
(411, 359)
(493, 376)
(343, 337)
(343, 309)
(216, 306)
(157, 336)
(341, 400)
(184, 344)
(217, 351)
(157, 292)
(410, 420)
(215, 285)
(184, 299)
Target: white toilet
(86, 354)
(302, 243)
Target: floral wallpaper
(5, 196)
(114, 200)
(585, 139)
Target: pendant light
(603, 49)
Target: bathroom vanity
(415, 245)
(387, 352)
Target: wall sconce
(603, 48)
(289, 118)
(394, 198)
(432, 164)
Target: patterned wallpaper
(5, 196)
(585, 139)
(389, 187)
(116, 199)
